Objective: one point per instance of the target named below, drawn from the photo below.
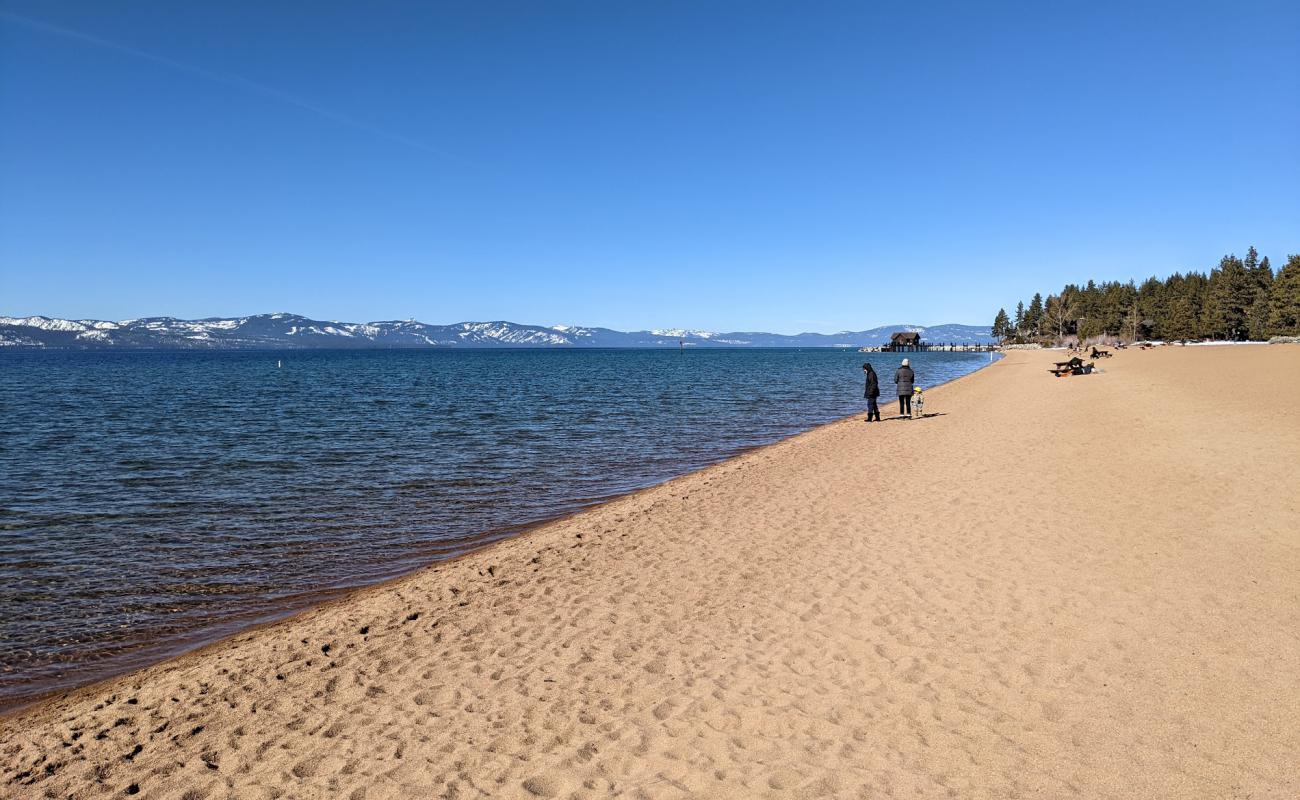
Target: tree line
(1240, 299)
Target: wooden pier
(933, 347)
(910, 342)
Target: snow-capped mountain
(290, 331)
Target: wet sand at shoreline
(1086, 586)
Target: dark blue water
(153, 501)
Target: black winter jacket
(873, 384)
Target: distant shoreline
(290, 330)
(448, 349)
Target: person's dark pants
(905, 405)
(873, 409)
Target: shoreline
(285, 612)
(1049, 588)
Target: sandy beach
(1078, 587)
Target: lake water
(153, 501)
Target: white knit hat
(905, 362)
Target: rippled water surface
(153, 501)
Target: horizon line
(662, 331)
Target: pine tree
(1114, 306)
(1264, 276)
(1196, 286)
(1231, 295)
(1261, 279)
(1072, 305)
(1001, 325)
(1020, 318)
(1034, 315)
(1284, 300)
(1153, 306)
(1183, 321)
(1257, 319)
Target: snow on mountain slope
(681, 333)
(51, 324)
(287, 331)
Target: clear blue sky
(750, 165)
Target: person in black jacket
(906, 379)
(872, 392)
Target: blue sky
(731, 166)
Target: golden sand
(1079, 587)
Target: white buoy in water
(279, 364)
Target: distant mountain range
(290, 331)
